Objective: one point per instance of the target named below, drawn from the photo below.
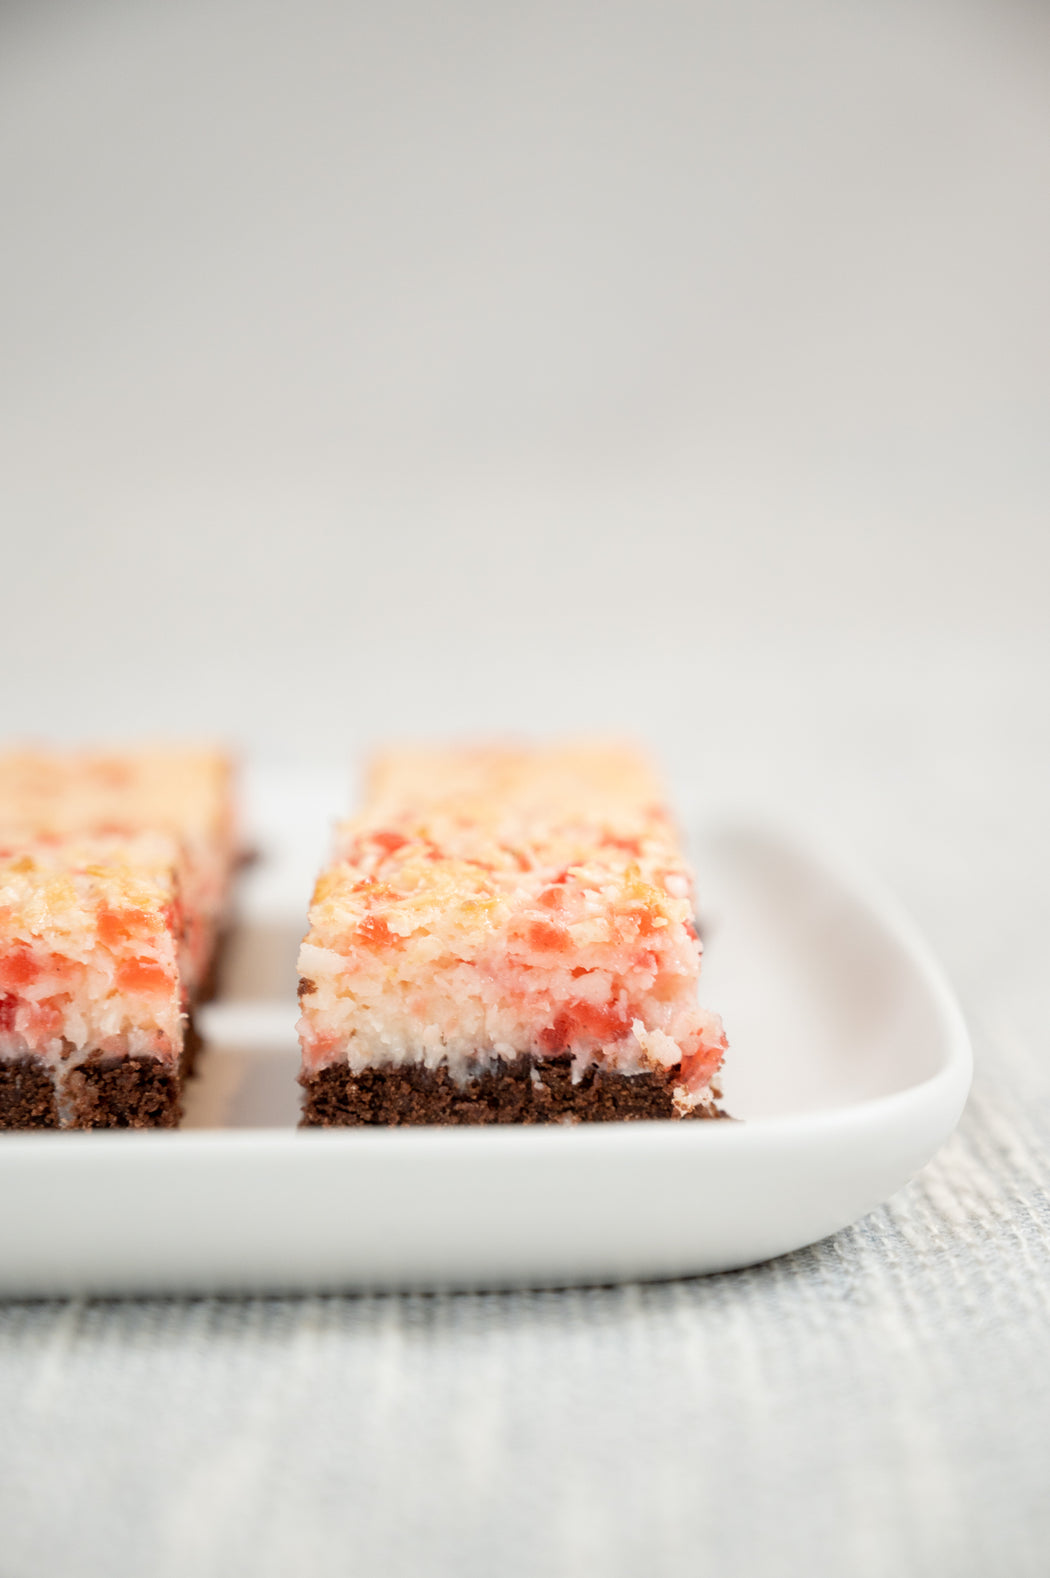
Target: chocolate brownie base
(27, 1096)
(123, 1093)
(527, 1090)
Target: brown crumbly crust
(124, 1093)
(27, 1096)
(526, 1091)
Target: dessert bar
(115, 872)
(91, 993)
(506, 936)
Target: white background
(426, 367)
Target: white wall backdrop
(427, 367)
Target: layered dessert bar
(115, 872)
(506, 936)
(92, 997)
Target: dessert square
(506, 936)
(87, 835)
(92, 997)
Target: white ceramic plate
(850, 1065)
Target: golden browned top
(454, 841)
(63, 890)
